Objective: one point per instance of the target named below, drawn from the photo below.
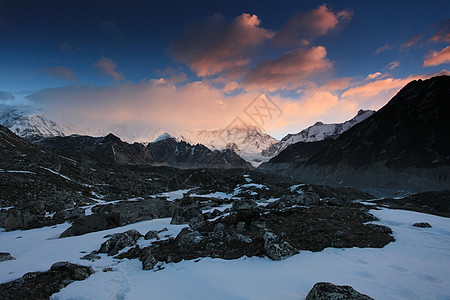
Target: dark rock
(119, 241)
(422, 225)
(243, 204)
(41, 285)
(148, 260)
(276, 248)
(380, 228)
(152, 234)
(93, 256)
(184, 213)
(329, 291)
(5, 256)
(187, 239)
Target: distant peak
(163, 137)
(318, 123)
(363, 112)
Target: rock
(187, 239)
(183, 214)
(422, 225)
(240, 238)
(148, 260)
(5, 256)
(276, 248)
(243, 204)
(305, 198)
(163, 230)
(93, 256)
(152, 234)
(41, 285)
(197, 223)
(380, 228)
(329, 291)
(119, 241)
(76, 272)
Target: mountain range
(403, 146)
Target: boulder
(243, 204)
(380, 228)
(329, 291)
(276, 248)
(422, 225)
(187, 240)
(5, 256)
(184, 213)
(147, 259)
(41, 285)
(152, 234)
(119, 241)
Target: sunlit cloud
(412, 41)
(108, 67)
(393, 65)
(289, 70)
(62, 73)
(374, 75)
(383, 48)
(301, 28)
(212, 46)
(443, 32)
(438, 57)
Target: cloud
(375, 94)
(108, 67)
(212, 46)
(383, 48)
(289, 70)
(301, 28)
(443, 32)
(411, 42)
(6, 96)
(373, 76)
(393, 65)
(438, 58)
(62, 73)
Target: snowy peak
(163, 137)
(29, 124)
(317, 132)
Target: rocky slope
(317, 132)
(403, 146)
(164, 151)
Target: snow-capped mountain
(28, 123)
(317, 132)
(247, 141)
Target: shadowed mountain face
(166, 151)
(404, 145)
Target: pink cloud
(289, 70)
(373, 76)
(438, 58)
(302, 27)
(443, 32)
(212, 46)
(393, 65)
(62, 73)
(411, 42)
(108, 67)
(383, 48)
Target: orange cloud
(411, 42)
(302, 27)
(63, 73)
(393, 65)
(211, 46)
(373, 76)
(289, 70)
(438, 58)
(443, 32)
(108, 67)
(383, 48)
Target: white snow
(17, 171)
(415, 266)
(173, 195)
(56, 173)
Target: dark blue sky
(54, 44)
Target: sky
(279, 65)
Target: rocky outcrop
(5, 256)
(329, 291)
(119, 241)
(276, 248)
(188, 212)
(41, 285)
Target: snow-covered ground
(415, 266)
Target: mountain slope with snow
(317, 132)
(28, 123)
